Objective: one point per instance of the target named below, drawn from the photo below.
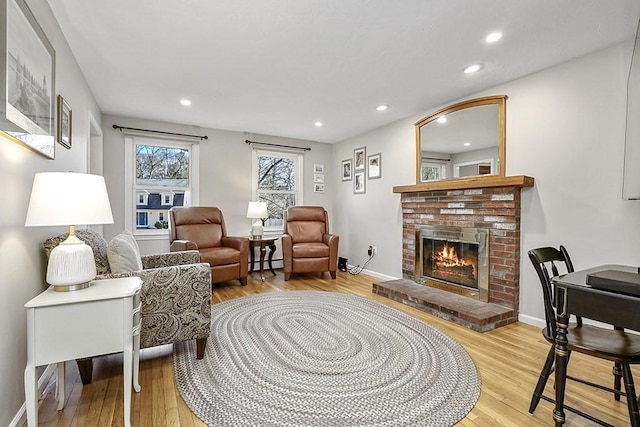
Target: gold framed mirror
(463, 140)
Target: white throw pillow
(123, 253)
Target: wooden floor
(509, 360)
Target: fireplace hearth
(453, 258)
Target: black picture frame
(64, 123)
(27, 65)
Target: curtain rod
(159, 131)
(435, 158)
(277, 145)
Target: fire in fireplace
(453, 258)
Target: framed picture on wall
(64, 122)
(318, 177)
(359, 183)
(318, 188)
(318, 168)
(374, 166)
(28, 103)
(358, 158)
(347, 170)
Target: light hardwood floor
(509, 360)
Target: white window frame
(130, 198)
(298, 158)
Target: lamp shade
(68, 198)
(257, 210)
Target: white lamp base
(257, 229)
(71, 265)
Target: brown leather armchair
(202, 228)
(307, 245)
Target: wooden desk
(101, 319)
(263, 243)
(574, 296)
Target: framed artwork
(318, 178)
(318, 188)
(359, 183)
(358, 158)
(374, 166)
(28, 103)
(64, 122)
(347, 170)
(318, 168)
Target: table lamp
(257, 211)
(68, 198)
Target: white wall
(225, 173)
(565, 128)
(22, 263)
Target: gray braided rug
(310, 358)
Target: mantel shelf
(487, 181)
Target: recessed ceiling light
(471, 69)
(442, 119)
(185, 102)
(466, 144)
(318, 124)
(493, 37)
(382, 107)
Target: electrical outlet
(370, 251)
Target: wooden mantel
(487, 181)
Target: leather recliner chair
(202, 228)
(307, 245)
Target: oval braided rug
(311, 358)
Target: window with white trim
(160, 174)
(277, 180)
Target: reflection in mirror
(462, 140)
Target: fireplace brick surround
(495, 207)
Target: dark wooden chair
(621, 348)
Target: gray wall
(565, 128)
(22, 265)
(225, 173)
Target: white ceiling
(277, 66)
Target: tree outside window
(277, 184)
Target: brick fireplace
(491, 204)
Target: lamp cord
(358, 269)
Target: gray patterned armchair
(176, 295)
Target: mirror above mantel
(462, 141)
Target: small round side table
(262, 243)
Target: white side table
(101, 319)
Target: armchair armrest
(169, 259)
(183, 245)
(237, 243)
(332, 240)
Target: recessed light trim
(381, 107)
(472, 69)
(493, 37)
(318, 124)
(185, 102)
(442, 119)
(466, 144)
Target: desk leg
(252, 257)
(60, 391)
(136, 362)
(263, 251)
(562, 356)
(30, 392)
(127, 365)
(272, 249)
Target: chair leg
(617, 376)
(632, 401)
(85, 366)
(542, 381)
(243, 281)
(201, 344)
(333, 274)
(287, 276)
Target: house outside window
(277, 180)
(162, 175)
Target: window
(277, 180)
(162, 174)
(430, 171)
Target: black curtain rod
(277, 145)
(435, 158)
(159, 131)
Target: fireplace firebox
(453, 259)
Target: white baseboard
(47, 377)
